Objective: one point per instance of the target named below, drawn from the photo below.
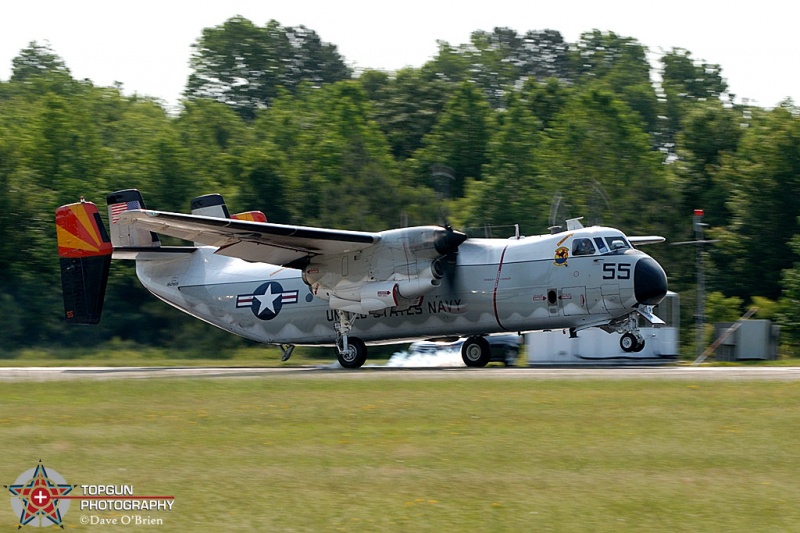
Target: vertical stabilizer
(210, 205)
(251, 216)
(126, 235)
(84, 249)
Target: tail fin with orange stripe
(251, 216)
(85, 251)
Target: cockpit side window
(617, 243)
(601, 245)
(582, 247)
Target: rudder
(84, 249)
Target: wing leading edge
(264, 242)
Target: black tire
(639, 346)
(476, 352)
(356, 353)
(628, 342)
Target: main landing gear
(476, 352)
(352, 352)
(629, 342)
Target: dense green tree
(458, 140)
(790, 303)
(621, 62)
(543, 54)
(501, 59)
(764, 179)
(545, 99)
(245, 66)
(215, 137)
(37, 60)
(684, 77)
(141, 142)
(512, 191)
(449, 64)
(334, 162)
(406, 106)
(710, 132)
(684, 83)
(264, 183)
(40, 70)
(599, 156)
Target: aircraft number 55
(616, 271)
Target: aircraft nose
(649, 282)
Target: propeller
(446, 242)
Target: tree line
(506, 129)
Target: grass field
(387, 453)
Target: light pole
(701, 278)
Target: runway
(28, 374)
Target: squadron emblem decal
(562, 255)
(267, 300)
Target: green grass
(381, 452)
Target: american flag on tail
(117, 209)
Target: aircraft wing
(264, 242)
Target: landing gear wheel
(629, 342)
(476, 352)
(356, 353)
(639, 346)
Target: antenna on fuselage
(555, 203)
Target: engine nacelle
(426, 281)
(384, 293)
(363, 297)
(369, 297)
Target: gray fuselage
(495, 285)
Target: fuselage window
(582, 247)
(601, 245)
(617, 243)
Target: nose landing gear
(631, 340)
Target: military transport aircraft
(295, 285)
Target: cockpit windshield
(602, 245)
(617, 243)
(582, 247)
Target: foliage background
(508, 128)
